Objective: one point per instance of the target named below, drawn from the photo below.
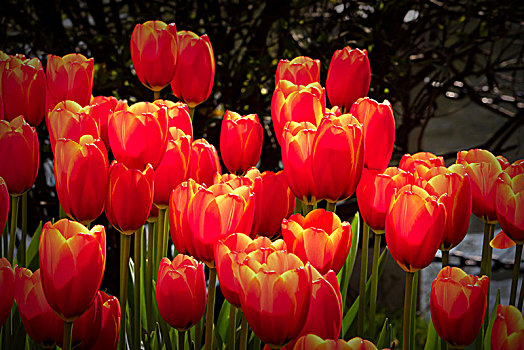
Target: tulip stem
(521, 297)
(362, 302)
(244, 327)
(165, 334)
(331, 206)
(165, 234)
(24, 231)
(232, 327)
(309, 208)
(485, 265)
(413, 309)
(12, 235)
(374, 286)
(406, 326)
(137, 256)
(445, 258)
(125, 247)
(198, 334)
(181, 339)
(210, 312)
(68, 333)
(191, 113)
(159, 237)
(516, 270)
(149, 277)
(156, 95)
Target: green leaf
(432, 338)
(383, 337)
(222, 325)
(345, 273)
(487, 336)
(32, 251)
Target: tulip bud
(203, 162)
(301, 70)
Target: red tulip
(129, 197)
(458, 299)
(81, 170)
(40, 322)
(72, 264)
(138, 136)
(502, 241)
(177, 116)
(154, 53)
(509, 205)
(314, 342)
(348, 78)
(69, 78)
(508, 329)
(301, 70)
(110, 324)
(409, 162)
(100, 109)
(7, 289)
(195, 71)
(4, 205)
(23, 90)
(337, 157)
(515, 168)
(415, 224)
(379, 131)
(320, 238)
(18, 155)
(241, 140)
(203, 162)
(181, 291)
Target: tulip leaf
(345, 273)
(487, 336)
(432, 338)
(32, 251)
(384, 337)
(222, 325)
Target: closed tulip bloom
(195, 71)
(320, 238)
(18, 155)
(375, 191)
(40, 322)
(379, 131)
(129, 197)
(203, 162)
(110, 323)
(458, 299)
(508, 329)
(69, 78)
(4, 204)
(72, 264)
(509, 204)
(300, 70)
(348, 78)
(154, 53)
(23, 90)
(177, 116)
(415, 224)
(275, 293)
(87, 327)
(181, 291)
(515, 168)
(100, 109)
(7, 289)
(337, 157)
(81, 170)
(409, 162)
(314, 342)
(138, 136)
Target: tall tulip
(203, 162)
(7, 289)
(154, 47)
(110, 324)
(177, 116)
(195, 71)
(458, 299)
(508, 329)
(509, 205)
(100, 109)
(348, 78)
(300, 70)
(4, 204)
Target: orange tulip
(458, 299)
(72, 264)
(138, 136)
(241, 140)
(154, 53)
(7, 289)
(379, 131)
(177, 116)
(129, 197)
(203, 162)
(18, 155)
(110, 323)
(320, 238)
(69, 78)
(508, 329)
(337, 157)
(100, 109)
(509, 205)
(409, 162)
(415, 224)
(275, 293)
(301, 70)
(195, 71)
(81, 170)
(4, 204)
(348, 78)
(314, 342)
(181, 291)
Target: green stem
(136, 295)
(298, 206)
(181, 339)
(521, 296)
(12, 235)
(374, 286)
(256, 343)
(407, 311)
(244, 327)
(165, 334)
(125, 248)
(23, 261)
(331, 206)
(156, 95)
(445, 258)
(198, 334)
(165, 234)
(485, 267)
(362, 302)
(159, 237)
(191, 113)
(210, 312)
(413, 310)
(68, 333)
(149, 277)
(516, 270)
(309, 208)
(232, 327)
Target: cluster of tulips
(282, 256)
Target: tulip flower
(275, 293)
(23, 90)
(4, 204)
(515, 168)
(110, 324)
(379, 131)
(181, 291)
(458, 299)
(195, 71)
(81, 170)
(409, 162)
(203, 162)
(18, 155)
(72, 264)
(300, 70)
(509, 205)
(320, 238)
(241, 140)
(7, 289)
(297, 103)
(40, 322)
(502, 241)
(87, 326)
(348, 78)
(314, 342)
(138, 136)
(154, 47)
(508, 329)
(129, 197)
(177, 116)
(69, 78)
(337, 157)
(100, 109)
